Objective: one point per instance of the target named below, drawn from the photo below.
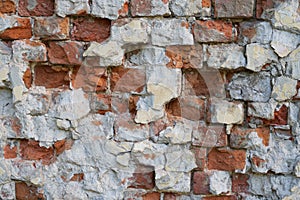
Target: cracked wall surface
(150, 99)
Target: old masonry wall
(150, 99)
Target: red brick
(213, 31)
(200, 156)
(151, 196)
(262, 5)
(31, 150)
(258, 162)
(77, 177)
(185, 56)
(91, 29)
(239, 136)
(26, 192)
(171, 196)
(206, 3)
(7, 6)
(143, 178)
(10, 152)
(127, 80)
(51, 28)
(51, 77)
(27, 78)
(67, 53)
(280, 117)
(21, 30)
(204, 83)
(123, 12)
(62, 145)
(230, 197)
(226, 159)
(191, 107)
(210, 136)
(40, 8)
(200, 183)
(239, 183)
(93, 79)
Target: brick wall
(149, 99)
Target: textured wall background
(150, 99)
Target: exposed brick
(51, 77)
(206, 3)
(239, 183)
(239, 136)
(90, 29)
(51, 28)
(210, 136)
(10, 152)
(36, 8)
(7, 6)
(127, 80)
(234, 8)
(62, 145)
(262, 5)
(200, 183)
(123, 12)
(67, 53)
(258, 162)
(140, 7)
(143, 179)
(226, 159)
(92, 79)
(204, 83)
(213, 31)
(77, 177)
(185, 56)
(151, 196)
(191, 107)
(31, 150)
(200, 156)
(230, 197)
(20, 30)
(26, 192)
(280, 117)
(171, 196)
(27, 78)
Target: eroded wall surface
(149, 99)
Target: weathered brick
(93, 79)
(51, 77)
(210, 136)
(234, 8)
(10, 151)
(204, 83)
(62, 145)
(229, 197)
(7, 6)
(200, 156)
(27, 78)
(150, 7)
(90, 29)
(200, 183)
(101, 103)
(239, 183)
(214, 31)
(262, 5)
(66, 53)
(36, 8)
(151, 196)
(191, 107)
(185, 56)
(77, 177)
(51, 28)
(226, 159)
(31, 150)
(143, 179)
(171, 196)
(127, 80)
(20, 29)
(24, 191)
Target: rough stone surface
(171, 32)
(292, 64)
(284, 88)
(234, 9)
(227, 56)
(150, 8)
(226, 112)
(68, 7)
(259, 90)
(13, 28)
(258, 56)
(8, 6)
(51, 28)
(107, 9)
(284, 42)
(36, 8)
(186, 8)
(220, 182)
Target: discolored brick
(200, 183)
(36, 8)
(7, 6)
(234, 8)
(24, 192)
(51, 28)
(21, 29)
